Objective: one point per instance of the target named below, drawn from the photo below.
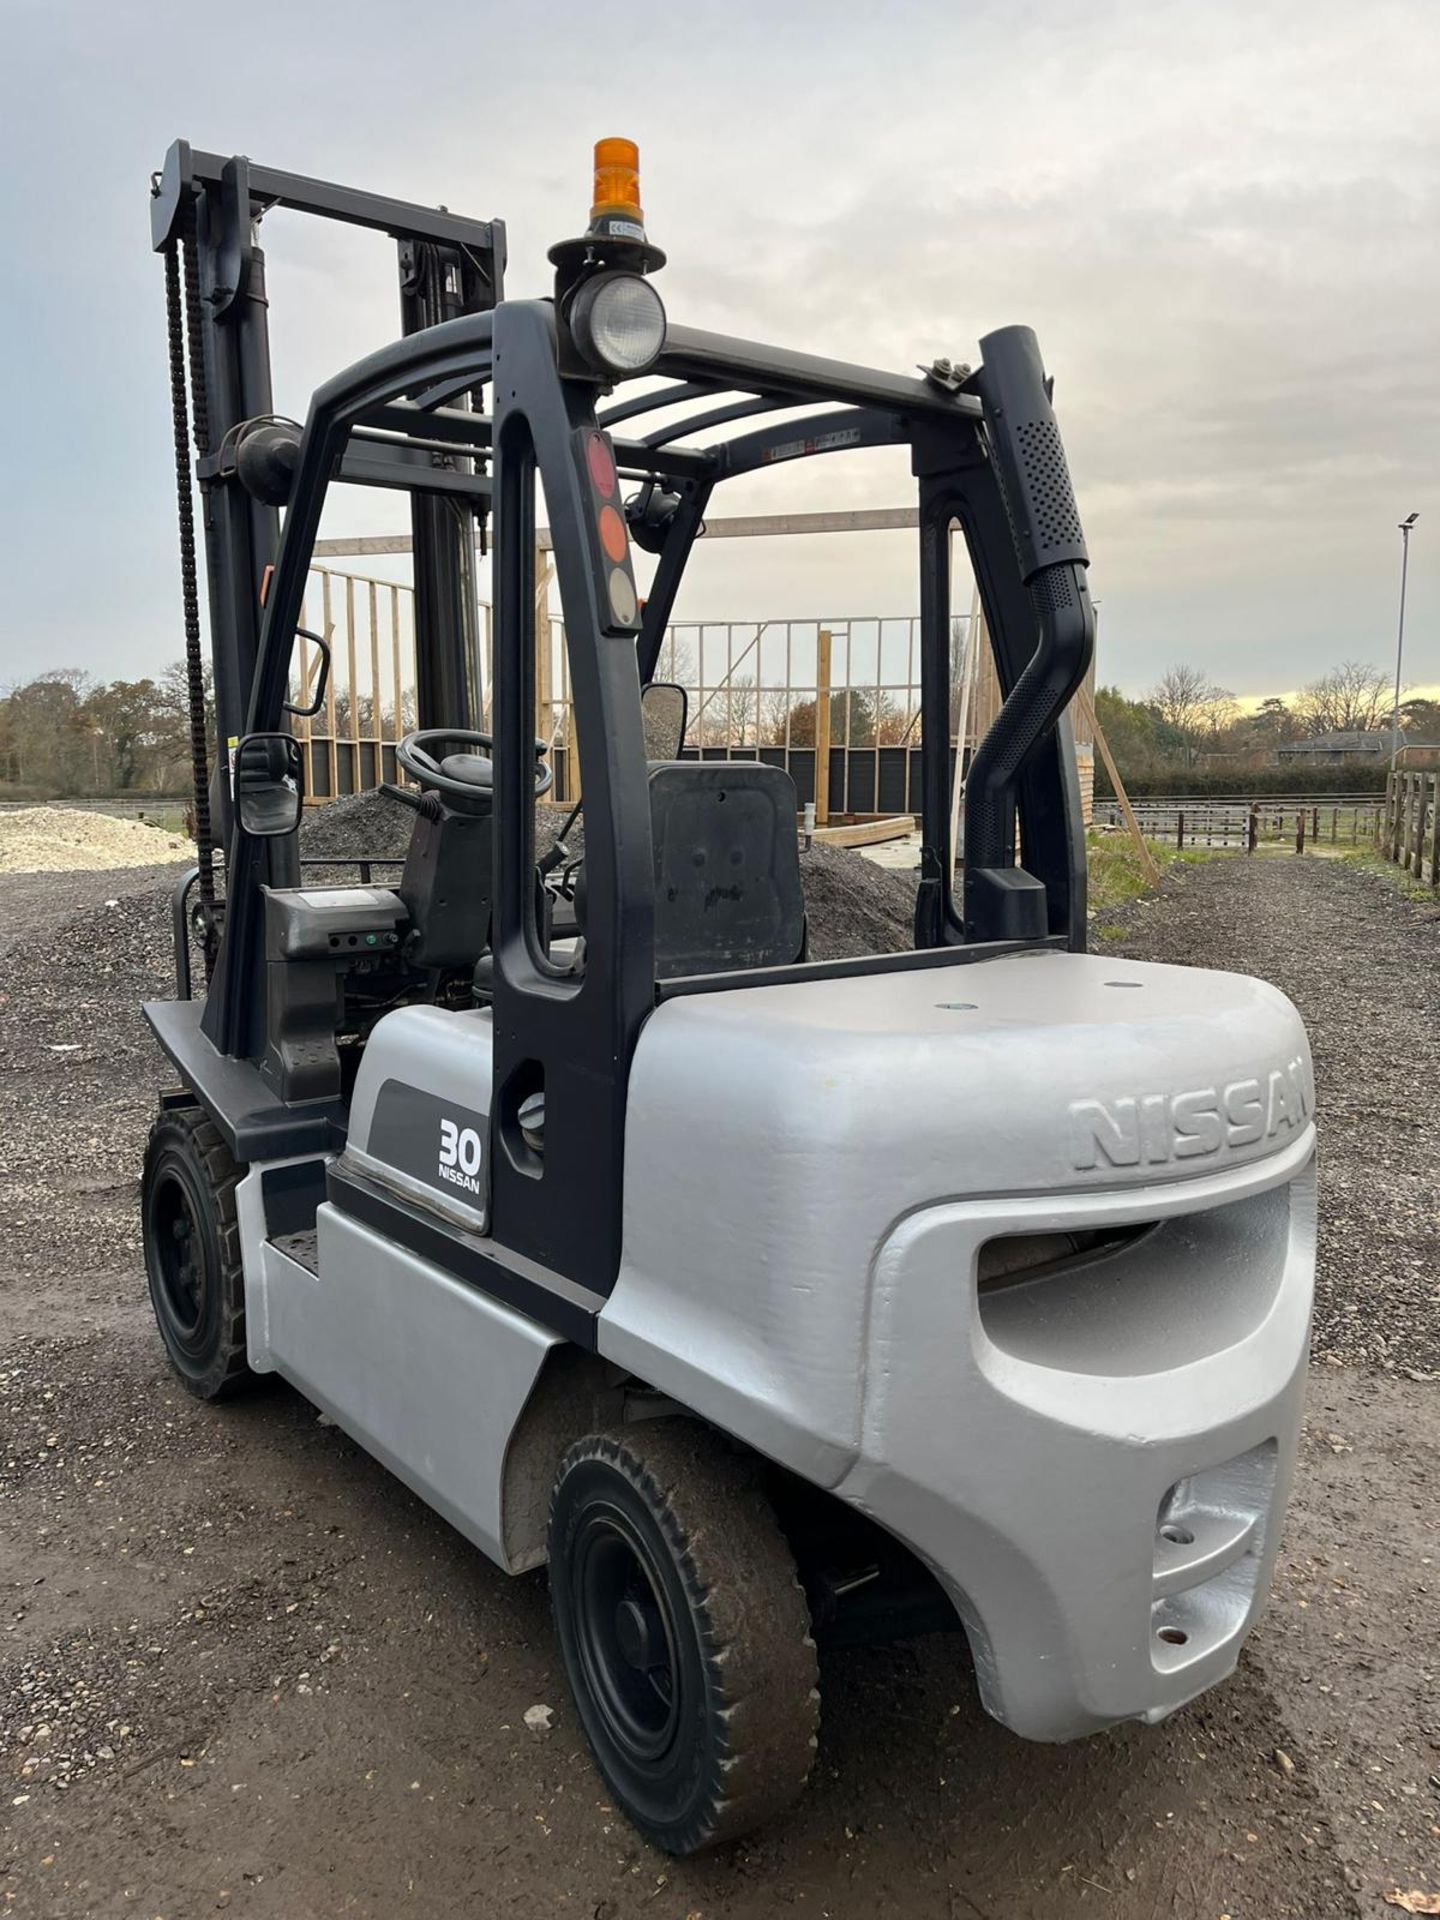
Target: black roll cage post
(573, 1035)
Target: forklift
(768, 1302)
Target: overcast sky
(1221, 219)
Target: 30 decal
(460, 1156)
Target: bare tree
(1354, 697)
(1185, 697)
(1188, 701)
(730, 714)
(776, 706)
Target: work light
(618, 322)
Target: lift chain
(177, 316)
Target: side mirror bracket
(309, 713)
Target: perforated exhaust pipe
(1002, 901)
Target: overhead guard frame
(398, 399)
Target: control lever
(559, 852)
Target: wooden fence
(1409, 828)
(1244, 826)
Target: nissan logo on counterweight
(460, 1152)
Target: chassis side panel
(429, 1375)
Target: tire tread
(230, 1373)
(739, 1577)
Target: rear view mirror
(269, 784)
(663, 712)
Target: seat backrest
(446, 886)
(727, 867)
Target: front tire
(684, 1630)
(192, 1252)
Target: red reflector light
(602, 465)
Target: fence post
(1253, 832)
(1180, 830)
(332, 724)
(1417, 855)
(1397, 820)
(1300, 831)
(822, 728)
(352, 690)
(1435, 834)
(1398, 824)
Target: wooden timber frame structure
(370, 623)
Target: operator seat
(448, 882)
(727, 867)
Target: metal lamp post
(1405, 526)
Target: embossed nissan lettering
(1151, 1129)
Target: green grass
(1118, 875)
(168, 820)
(1367, 860)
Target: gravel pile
(363, 824)
(1362, 964)
(69, 839)
(854, 906)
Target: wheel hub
(639, 1633)
(180, 1257)
(626, 1642)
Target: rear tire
(684, 1630)
(192, 1252)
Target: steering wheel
(415, 756)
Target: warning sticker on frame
(817, 443)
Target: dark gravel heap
(854, 907)
(1362, 964)
(364, 823)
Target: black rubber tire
(192, 1252)
(733, 1741)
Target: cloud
(1222, 222)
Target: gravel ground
(241, 1668)
(34, 903)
